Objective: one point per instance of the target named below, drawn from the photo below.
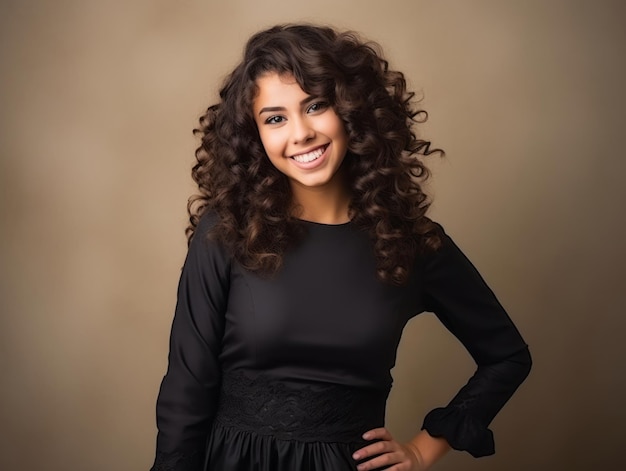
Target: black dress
(287, 373)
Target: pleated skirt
(236, 450)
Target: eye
(317, 107)
(276, 119)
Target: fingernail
(366, 436)
(356, 456)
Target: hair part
(251, 197)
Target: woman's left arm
(457, 294)
(466, 306)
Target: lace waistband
(326, 413)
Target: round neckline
(323, 224)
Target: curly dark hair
(250, 196)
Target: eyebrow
(272, 109)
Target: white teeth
(309, 156)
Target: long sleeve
(463, 302)
(189, 391)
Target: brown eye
(274, 120)
(317, 106)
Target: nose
(302, 131)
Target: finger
(378, 433)
(385, 460)
(377, 448)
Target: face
(301, 134)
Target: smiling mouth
(310, 156)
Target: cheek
(271, 142)
(338, 129)
(341, 136)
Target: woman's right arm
(189, 391)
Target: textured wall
(98, 102)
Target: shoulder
(442, 252)
(204, 239)
(207, 222)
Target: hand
(388, 452)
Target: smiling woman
(310, 250)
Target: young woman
(309, 252)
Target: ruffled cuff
(461, 431)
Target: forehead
(273, 89)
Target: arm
(457, 294)
(427, 449)
(460, 298)
(190, 388)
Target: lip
(314, 163)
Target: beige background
(98, 102)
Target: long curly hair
(251, 198)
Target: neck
(324, 204)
